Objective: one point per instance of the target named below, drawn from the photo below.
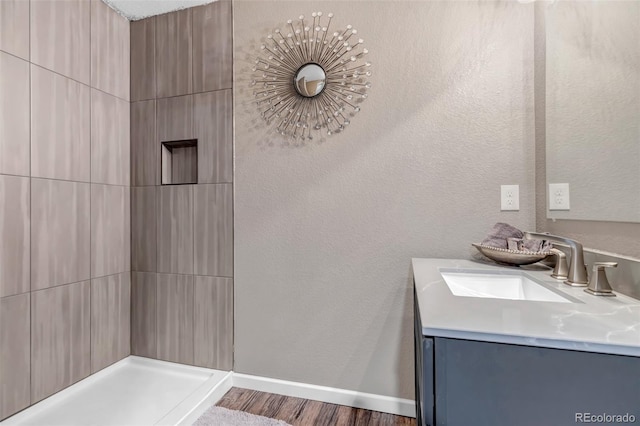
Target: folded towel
(502, 231)
(537, 245)
(499, 233)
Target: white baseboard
(369, 401)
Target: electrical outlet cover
(509, 197)
(559, 196)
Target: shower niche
(179, 162)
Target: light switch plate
(509, 197)
(559, 196)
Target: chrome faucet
(577, 275)
(599, 284)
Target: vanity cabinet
(467, 382)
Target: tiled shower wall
(182, 235)
(64, 195)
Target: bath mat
(219, 416)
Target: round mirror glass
(309, 80)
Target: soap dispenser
(599, 284)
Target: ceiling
(139, 9)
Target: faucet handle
(599, 284)
(561, 270)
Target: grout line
(130, 66)
(60, 285)
(193, 229)
(233, 218)
(155, 57)
(180, 96)
(90, 187)
(171, 184)
(157, 213)
(110, 184)
(193, 318)
(108, 275)
(16, 56)
(193, 240)
(29, 31)
(71, 283)
(77, 81)
(30, 219)
(193, 79)
(171, 273)
(157, 283)
(65, 180)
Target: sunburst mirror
(310, 79)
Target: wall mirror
(593, 108)
(310, 79)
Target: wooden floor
(299, 412)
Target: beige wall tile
(213, 230)
(60, 123)
(14, 115)
(60, 232)
(110, 133)
(110, 230)
(145, 147)
(110, 40)
(175, 118)
(143, 314)
(212, 47)
(144, 213)
(14, 235)
(15, 368)
(60, 37)
(60, 341)
(173, 54)
(14, 27)
(110, 320)
(175, 318)
(143, 59)
(175, 229)
(213, 322)
(213, 127)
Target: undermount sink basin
(511, 285)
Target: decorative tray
(511, 257)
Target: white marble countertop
(592, 324)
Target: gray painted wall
(324, 233)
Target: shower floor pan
(134, 391)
